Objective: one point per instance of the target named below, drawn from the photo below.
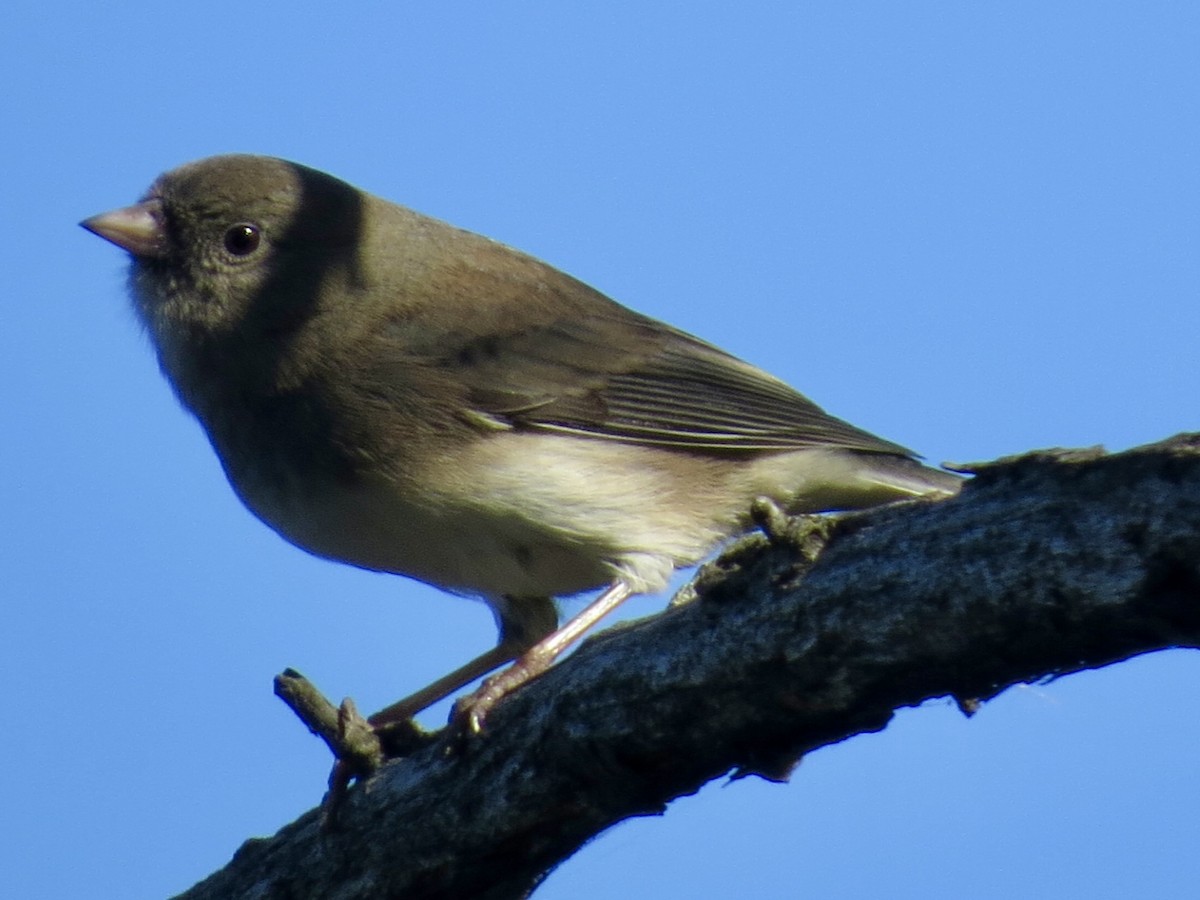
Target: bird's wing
(621, 376)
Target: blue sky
(971, 228)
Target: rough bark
(818, 630)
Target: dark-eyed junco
(389, 391)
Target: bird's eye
(242, 239)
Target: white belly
(516, 515)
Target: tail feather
(910, 476)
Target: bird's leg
(446, 685)
(537, 659)
(398, 716)
(523, 622)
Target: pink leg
(537, 659)
(446, 685)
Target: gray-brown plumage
(389, 391)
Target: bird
(386, 390)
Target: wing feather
(632, 379)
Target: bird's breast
(457, 547)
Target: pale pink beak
(137, 229)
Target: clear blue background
(970, 227)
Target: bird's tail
(909, 476)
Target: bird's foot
(471, 712)
(396, 739)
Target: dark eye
(242, 239)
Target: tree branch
(1047, 564)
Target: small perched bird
(389, 391)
